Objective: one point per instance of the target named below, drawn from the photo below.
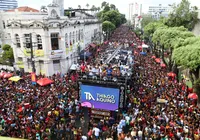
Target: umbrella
(143, 53)
(158, 60)
(139, 47)
(20, 110)
(193, 96)
(44, 81)
(8, 75)
(15, 78)
(190, 90)
(171, 74)
(154, 57)
(73, 67)
(163, 65)
(2, 74)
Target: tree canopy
(188, 56)
(146, 19)
(183, 14)
(7, 55)
(169, 36)
(150, 28)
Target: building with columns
(55, 38)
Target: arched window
(54, 13)
(66, 40)
(70, 38)
(39, 42)
(73, 37)
(17, 39)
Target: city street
(91, 73)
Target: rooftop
(23, 9)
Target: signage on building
(56, 53)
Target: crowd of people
(54, 112)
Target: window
(56, 66)
(70, 38)
(20, 59)
(39, 42)
(73, 37)
(17, 39)
(27, 40)
(54, 41)
(66, 40)
(76, 36)
(79, 35)
(82, 34)
(4, 24)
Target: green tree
(93, 8)
(183, 15)
(150, 28)
(103, 4)
(79, 6)
(108, 27)
(7, 55)
(165, 38)
(146, 19)
(112, 7)
(43, 9)
(112, 16)
(87, 5)
(188, 57)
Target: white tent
(73, 67)
(145, 46)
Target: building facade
(158, 11)
(55, 38)
(8, 4)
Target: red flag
(33, 77)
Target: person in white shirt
(96, 132)
(83, 138)
(128, 137)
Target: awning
(93, 45)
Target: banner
(33, 78)
(71, 47)
(67, 50)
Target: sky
(122, 5)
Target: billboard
(100, 97)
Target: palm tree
(98, 9)
(103, 4)
(87, 5)
(79, 6)
(93, 7)
(113, 7)
(43, 9)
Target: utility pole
(32, 57)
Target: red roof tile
(24, 9)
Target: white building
(158, 11)
(55, 38)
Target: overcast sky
(122, 5)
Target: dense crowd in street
(54, 112)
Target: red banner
(33, 77)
